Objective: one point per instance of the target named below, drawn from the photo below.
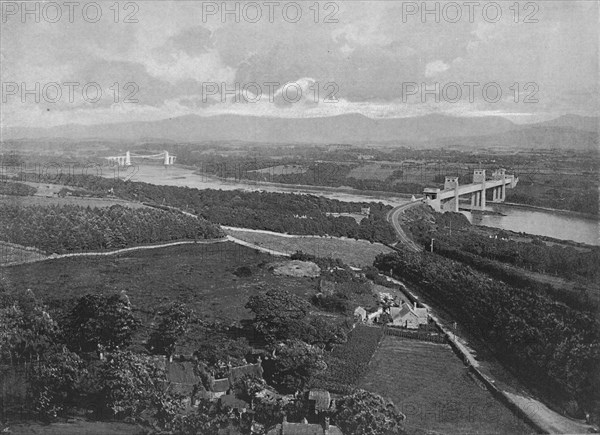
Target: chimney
(415, 305)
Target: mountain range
(566, 132)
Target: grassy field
(435, 391)
(371, 172)
(357, 253)
(282, 170)
(203, 277)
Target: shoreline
(577, 214)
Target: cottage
(408, 316)
(403, 316)
(181, 376)
(304, 428)
(361, 313)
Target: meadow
(356, 253)
(435, 390)
(204, 277)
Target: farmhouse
(408, 316)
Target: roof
(237, 373)
(361, 311)
(221, 385)
(233, 402)
(182, 373)
(303, 429)
(401, 312)
(322, 399)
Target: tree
(218, 350)
(130, 385)
(53, 384)
(98, 320)
(293, 365)
(172, 327)
(365, 413)
(209, 419)
(26, 328)
(278, 314)
(325, 333)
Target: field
(201, 276)
(357, 253)
(435, 391)
(68, 200)
(282, 170)
(348, 362)
(371, 172)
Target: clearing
(356, 253)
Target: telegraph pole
(432, 244)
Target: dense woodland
(294, 214)
(452, 233)
(71, 228)
(550, 345)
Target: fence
(416, 335)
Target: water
(177, 176)
(540, 222)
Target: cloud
(436, 67)
(369, 55)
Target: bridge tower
(451, 205)
(479, 200)
(127, 159)
(166, 161)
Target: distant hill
(351, 128)
(585, 123)
(565, 132)
(538, 136)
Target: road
(393, 217)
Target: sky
(149, 60)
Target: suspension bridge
(126, 160)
